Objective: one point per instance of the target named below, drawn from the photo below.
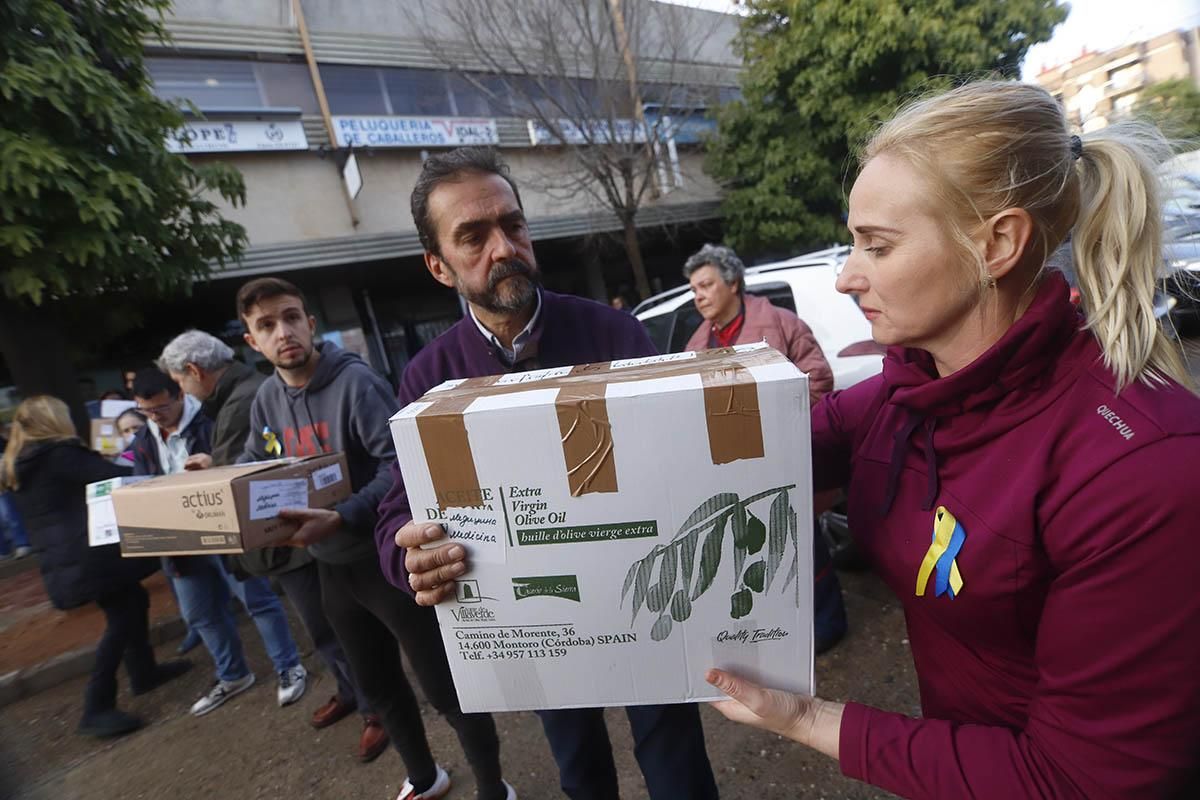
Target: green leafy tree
(93, 207)
(1174, 106)
(820, 74)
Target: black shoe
(104, 724)
(167, 671)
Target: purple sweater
(1068, 665)
(569, 331)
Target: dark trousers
(126, 638)
(668, 742)
(370, 616)
(303, 588)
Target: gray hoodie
(344, 407)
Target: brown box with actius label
(225, 509)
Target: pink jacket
(784, 331)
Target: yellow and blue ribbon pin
(273, 446)
(948, 538)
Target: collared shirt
(521, 342)
(727, 336)
(173, 451)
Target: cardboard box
(629, 526)
(225, 509)
(104, 437)
(102, 519)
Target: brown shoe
(374, 739)
(330, 713)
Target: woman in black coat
(46, 468)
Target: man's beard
(514, 295)
(296, 361)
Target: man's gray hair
(727, 263)
(195, 347)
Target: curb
(23, 683)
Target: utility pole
(319, 87)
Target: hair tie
(1076, 147)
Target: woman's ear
(1004, 240)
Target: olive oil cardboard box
(629, 525)
(225, 509)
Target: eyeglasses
(157, 411)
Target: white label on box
(749, 348)
(327, 476)
(268, 498)
(623, 363)
(411, 410)
(481, 529)
(533, 375)
(106, 429)
(102, 522)
(447, 385)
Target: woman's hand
(807, 720)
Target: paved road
(252, 749)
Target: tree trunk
(634, 250)
(35, 351)
(594, 272)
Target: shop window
(205, 82)
(214, 83)
(354, 90)
(417, 92)
(470, 100)
(287, 85)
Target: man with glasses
(178, 437)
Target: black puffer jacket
(52, 502)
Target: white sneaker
(291, 685)
(219, 693)
(512, 793)
(23, 552)
(439, 789)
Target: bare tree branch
(581, 73)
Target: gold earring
(989, 281)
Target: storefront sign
(596, 131)
(243, 135)
(414, 131)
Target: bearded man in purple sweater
(471, 223)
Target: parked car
(805, 285)
(1183, 280)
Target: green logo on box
(564, 586)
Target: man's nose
(502, 247)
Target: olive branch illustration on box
(681, 578)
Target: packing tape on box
(730, 403)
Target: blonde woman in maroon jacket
(1022, 474)
(718, 279)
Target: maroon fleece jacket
(569, 330)
(1068, 665)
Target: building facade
(328, 183)
(1097, 88)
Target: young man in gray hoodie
(322, 399)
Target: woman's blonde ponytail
(1117, 251)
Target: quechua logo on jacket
(939, 563)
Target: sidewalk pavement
(253, 749)
(42, 647)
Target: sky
(1094, 24)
